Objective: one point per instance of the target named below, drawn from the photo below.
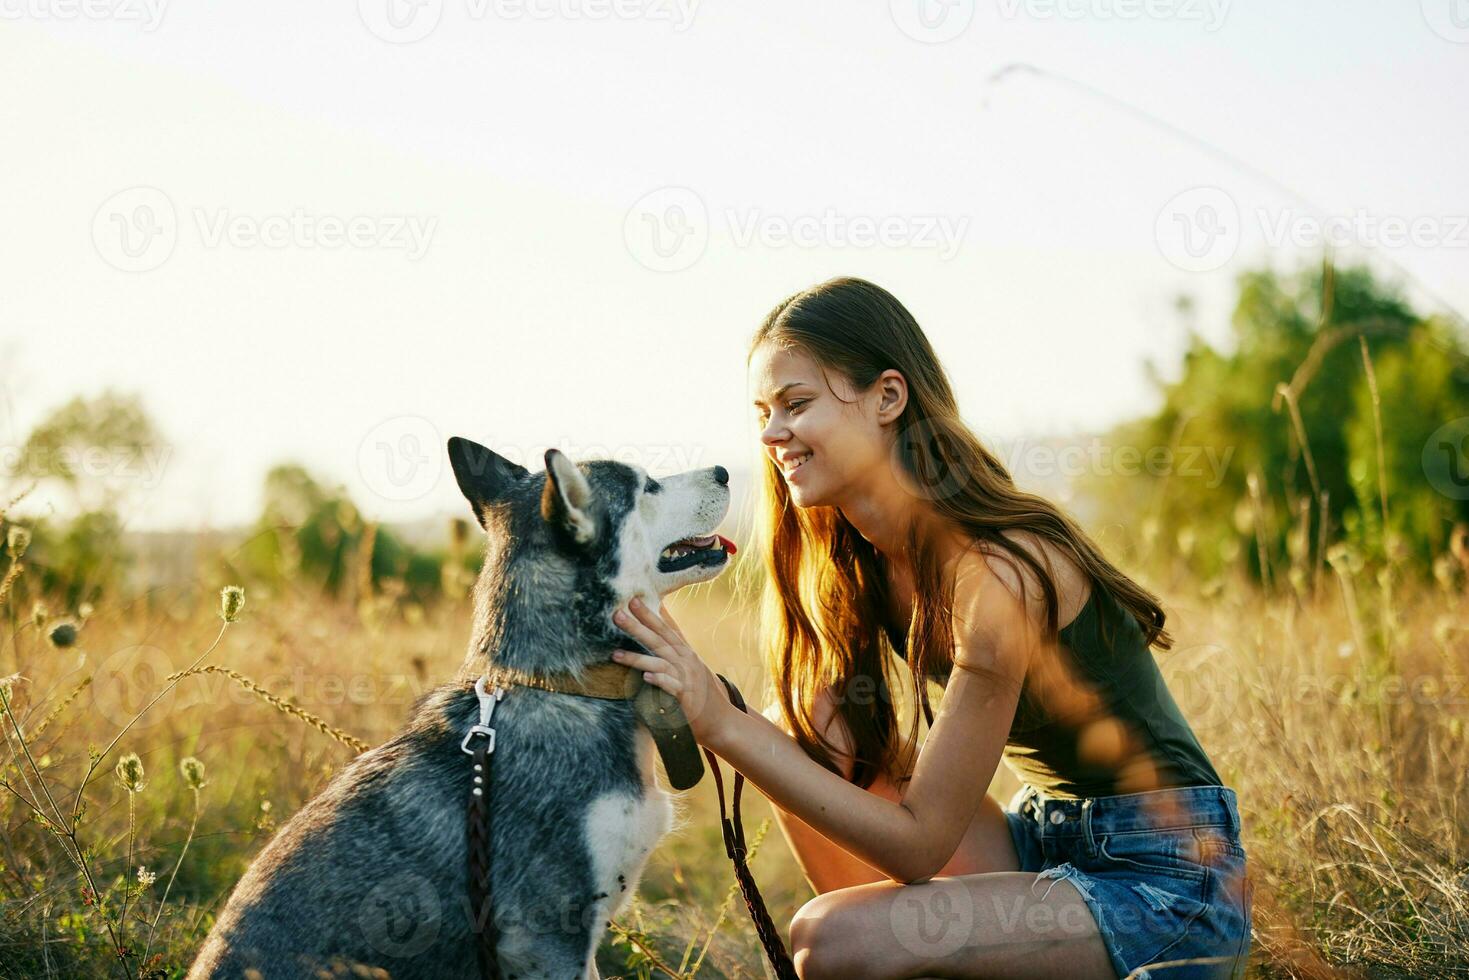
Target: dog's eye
(652, 486)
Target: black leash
(477, 833)
(734, 846)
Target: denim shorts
(1162, 872)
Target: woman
(892, 537)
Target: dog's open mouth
(709, 549)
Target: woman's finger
(667, 682)
(635, 628)
(650, 619)
(639, 661)
(670, 622)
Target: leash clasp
(487, 702)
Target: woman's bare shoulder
(1072, 583)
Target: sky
(340, 233)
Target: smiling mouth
(705, 550)
(794, 463)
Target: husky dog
(371, 875)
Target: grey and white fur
(371, 874)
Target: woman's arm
(910, 840)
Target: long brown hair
(826, 594)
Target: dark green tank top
(1110, 726)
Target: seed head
(63, 635)
(130, 773)
(17, 541)
(193, 773)
(231, 601)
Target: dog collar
(658, 710)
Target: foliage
(1288, 403)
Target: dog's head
(623, 531)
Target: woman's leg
(986, 846)
(1006, 925)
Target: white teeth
(688, 545)
(793, 463)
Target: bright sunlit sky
(568, 225)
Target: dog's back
(372, 873)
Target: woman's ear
(892, 395)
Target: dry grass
(1338, 714)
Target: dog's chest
(622, 830)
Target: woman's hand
(672, 665)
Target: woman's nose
(773, 433)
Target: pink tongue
(729, 545)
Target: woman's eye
(795, 406)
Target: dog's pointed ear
(483, 474)
(566, 502)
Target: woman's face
(825, 440)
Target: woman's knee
(823, 942)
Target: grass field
(1337, 711)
